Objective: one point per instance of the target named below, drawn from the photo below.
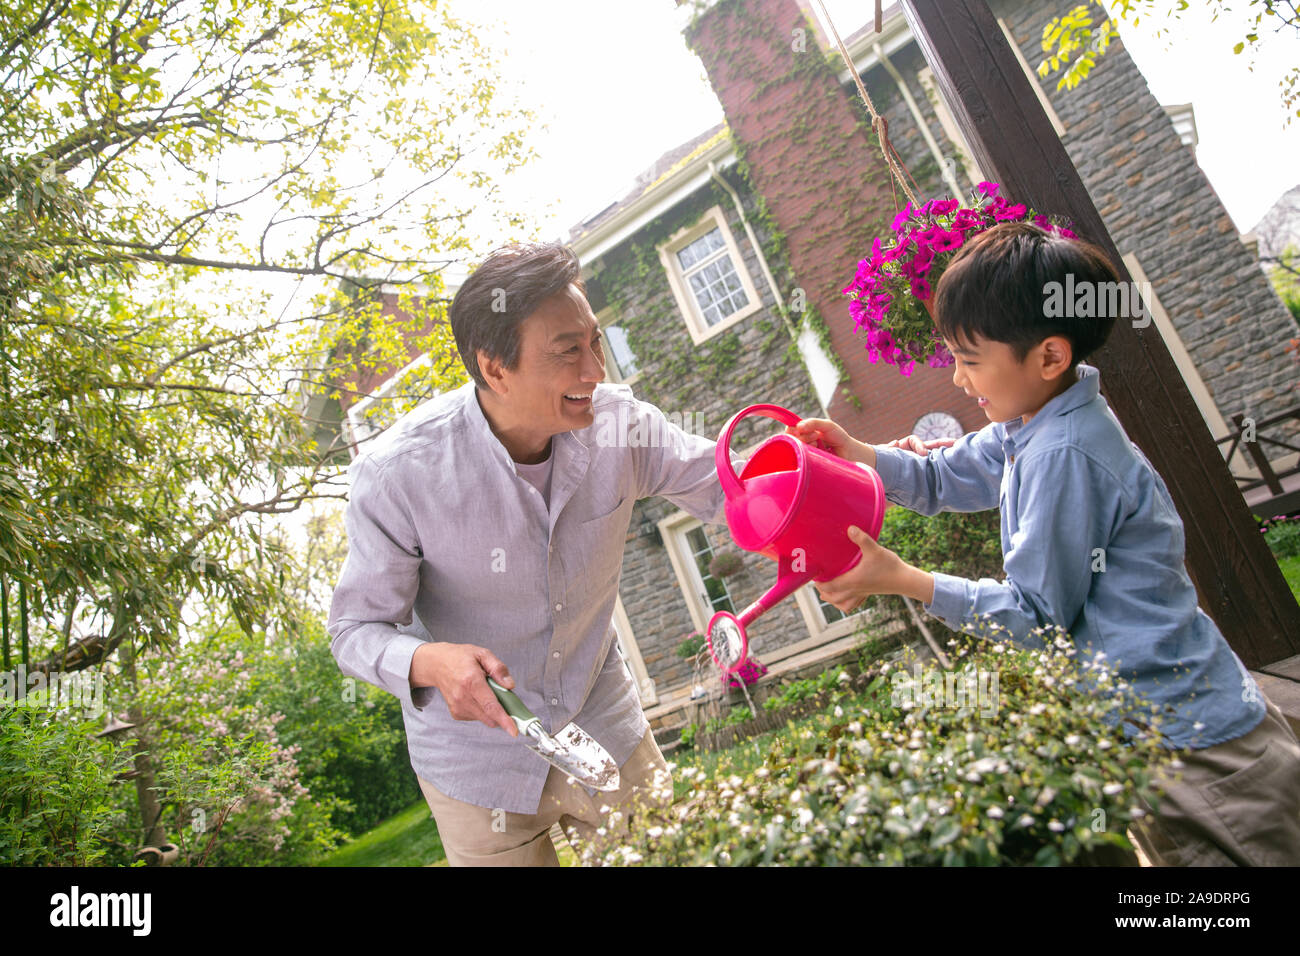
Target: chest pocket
(601, 539)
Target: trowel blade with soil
(571, 749)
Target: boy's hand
(923, 448)
(824, 433)
(880, 571)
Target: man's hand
(915, 444)
(460, 672)
(880, 571)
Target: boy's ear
(1056, 356)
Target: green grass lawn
(408, 838)
(1291, 571)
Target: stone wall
(751, 362)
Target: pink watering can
(794, 503)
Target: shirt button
(559, 607)
(555, 700)
(556, 655)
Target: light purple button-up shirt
(447, 540)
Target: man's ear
(493, 372)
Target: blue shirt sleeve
(967, 476)
(1065, 510)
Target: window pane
(619, 352)
(702, 552)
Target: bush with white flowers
(923, 767)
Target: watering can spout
(792, 574)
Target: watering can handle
(722, 453)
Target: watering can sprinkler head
(793, 503)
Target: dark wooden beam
(1238, 580)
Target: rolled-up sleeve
(377, 587)
(966, 476)
(1064, 518)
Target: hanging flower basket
(893, 291)
(725, 564)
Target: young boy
(1091, 542)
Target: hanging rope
(878, 123)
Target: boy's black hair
(999, 286)
(512, 282)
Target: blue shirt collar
(1083, 391)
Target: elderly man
(497, 513)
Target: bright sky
(617, 87)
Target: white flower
(1073, 740)
(1112, 788)
(995, 813)
(1025, 820)
(1056, 826)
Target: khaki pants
(478, 836)
(1234, 804)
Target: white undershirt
(539, 476)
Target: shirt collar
(481, 427)
(483, 431)
(1084, 390)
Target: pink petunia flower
(947, 241)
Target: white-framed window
(825, 622)
(708, 276)
(630, 654)
(691, 546)
(400, 392)
(620, 361)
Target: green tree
(160, 162)
(200, 206)
(1077, 39)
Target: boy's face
(1006, 388)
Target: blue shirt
(1092, 543)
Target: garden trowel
(571, 749)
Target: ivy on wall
(791, 60)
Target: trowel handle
(722, 453)
(513, 705)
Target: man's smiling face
(560, 362)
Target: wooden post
(1237, 578)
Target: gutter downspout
(795, 334)
(939, 158)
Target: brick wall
(827, 187)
